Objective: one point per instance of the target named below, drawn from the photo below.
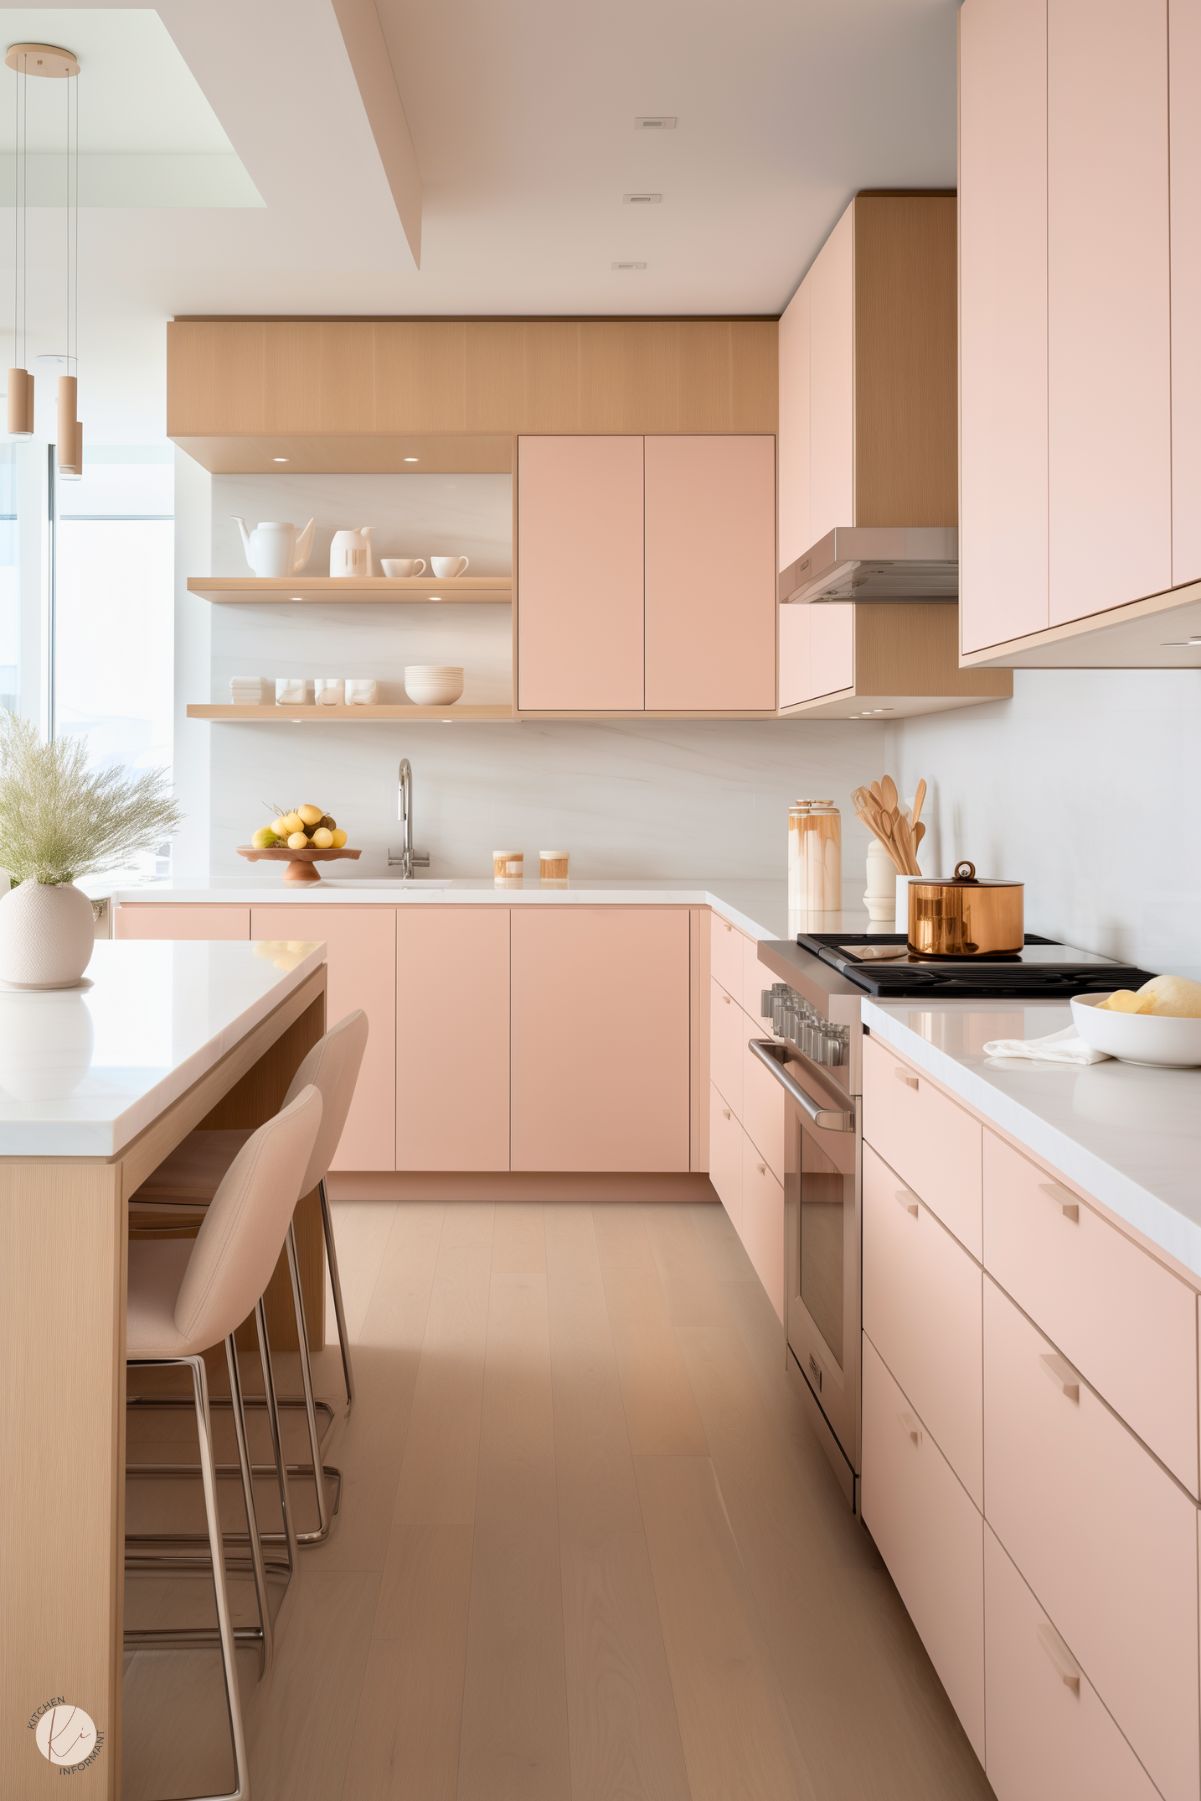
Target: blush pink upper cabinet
(817, 651)
(452, 1009)
(361, 960)
(182, 922)
(1108, 308)
(579, 574)
(600, 1039)
(831, 284)
(793, 428)
(1184, 117)
(710, 574)
(1003, 320)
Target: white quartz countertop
(758, 908)
(85, 1070)
(1129, 1136)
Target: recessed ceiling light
(644, 199)
(655, 122)
(627, 265)
(412, 459)
(435, 597)
(281, 459)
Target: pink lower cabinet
(729, 1033)
(762, 1229)
(1103, 1535)
(1049, 1738)
(361, 957)
(926, 1138)
(930, 1535)
(763, 1105)
(182, 922)
(921, 1310)
(452, 1038)
(711, 574)
(600, 1039)
(725, 954)
(725, 1157)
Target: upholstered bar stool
(187, 1296)
(185, 1184)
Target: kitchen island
(97, 1086)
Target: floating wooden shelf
(304, 715)
(410, 590)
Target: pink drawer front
(1049, 1738)
(725, 1156)
(1102, 1534)
(762, 1105)
(1128, 1324)
(763, 1223)
(725, 954)
(931, 1142)
(756, 977)
(728, 1035)
(921, 1310)
(931, 1537)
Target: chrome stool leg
(306, 1383)
(335, 1282)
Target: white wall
(1086, 786)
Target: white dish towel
(1058, 1047)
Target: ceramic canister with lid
(822, 854)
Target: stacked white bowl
(433, 684)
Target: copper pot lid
(965, 877)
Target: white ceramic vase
(47, 935)
(880, 895)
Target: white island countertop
(1127, 1135)
(84, 1070)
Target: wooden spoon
(918, 800)
(889, 790)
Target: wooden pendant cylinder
(20, 403)
(70, 449)
(68, 411)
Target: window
(10, 585)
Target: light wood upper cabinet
(579, 574)
(710, 573)
(1003, 320)
(1184, 118)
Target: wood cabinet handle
(762, 1168)
(903, 1075)
(1062, 1374)
(726, 999)
(1064, 1199)
(908, 1201)
(725, 1113)
(1060, 1657)
(912, 1428)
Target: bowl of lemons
(300, 839)
(1159, 1023)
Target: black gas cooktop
(882, 963)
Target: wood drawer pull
(1064, 1199)
(726, 999)
(762, 1168)
(908, 1200)
(903, 1075)
(1060, 1656)
(912, 1427)
(725, 1113)
(1062, 1374)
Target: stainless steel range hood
(877, 562)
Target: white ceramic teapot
(350, 551)
(274, 547)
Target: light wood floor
(587, 1550)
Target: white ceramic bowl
(433, 684)
(1137, 1037)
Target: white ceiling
(522, 118)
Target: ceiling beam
(371, 65)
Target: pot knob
(965, 871)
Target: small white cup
(446, 568)
(402, 566)
(291, 691)
(329, 690)
(361, 690)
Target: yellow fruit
(1174, 997)
(293, 823)
(309, 815)
(338, 838)
(322, 839)
(298, 841)
(1124, 1000)
(265, 837)
(280, 826)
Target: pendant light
(69, 434)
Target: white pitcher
(350, 551)
(274, 547)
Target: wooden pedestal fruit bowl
(300, 862)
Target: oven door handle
(830, 1119)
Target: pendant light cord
(16, 219)
(25, 211)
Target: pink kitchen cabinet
(926, 1138)
(817, 651)
(184, 921)
(725, 1156)
(729, 1034)
(831, 282)
(793, 443)
(600, 1038)
(1184, 121)
(1108, 306)
(361, 957)
(452, 1038)
(1003, 573)
(725, 954)
(710, 574)
(579, 574)
(762, 1227)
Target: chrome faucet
(406, 859)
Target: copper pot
(965, 917)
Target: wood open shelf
(400, 714)
(419, 590)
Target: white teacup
(402, 566)
(329, 690)
(446, 568)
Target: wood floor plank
(695, 1295)
(738, 1740)
(515, 1735)
(361, 1233)
(661, 1413)
(519, 1240)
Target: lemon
(1124, 1000)
(280, 826)
(337, 838)
(322, 839)
(265, 838)
(309, 815)
(298, 841)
